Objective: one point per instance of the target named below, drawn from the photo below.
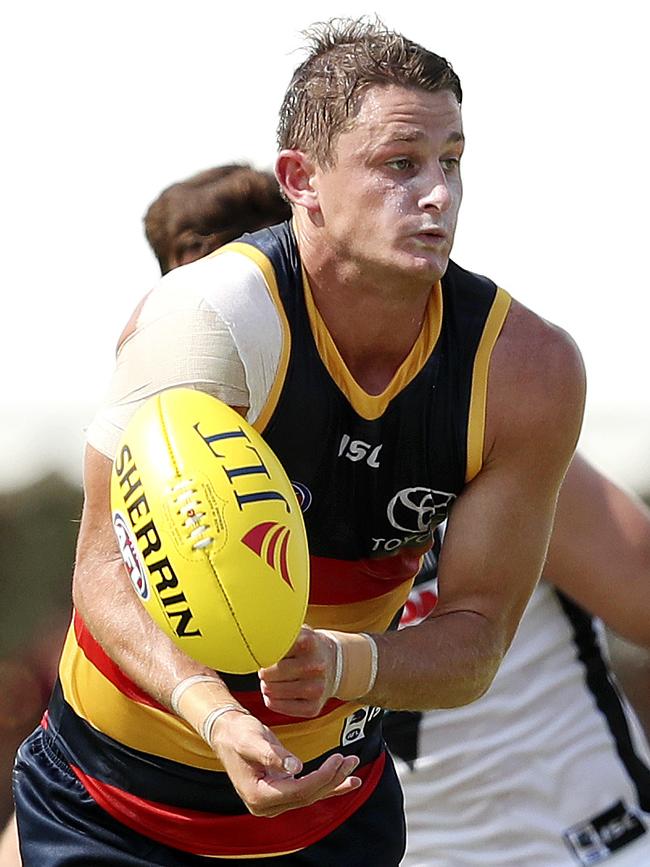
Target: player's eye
(450, 164)
(400, 164)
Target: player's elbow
(475, 687)
(473, 682)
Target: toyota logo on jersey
(417, 510)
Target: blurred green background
(38, 531)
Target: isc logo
(358, 450)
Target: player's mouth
(431, 237)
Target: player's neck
(371, 348)
(374, 327)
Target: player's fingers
(305, 643)
(348, 785)
(263, 748)
(287, 794)
(333, 778)
(292, 669)
(281, 762)
(294, 690)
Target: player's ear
(295, 171)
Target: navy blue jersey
(375, 475)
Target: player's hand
(263, 771)
(301, 682)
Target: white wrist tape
(355, 665)
(374, 660)
(185, 684)
(338, 672)
(213, 716)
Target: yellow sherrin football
(210, 531)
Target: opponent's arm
(599, 553)
(495, 542)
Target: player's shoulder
(225, 289)
(230, 277)
(538, 350)
(226, 273)
(225, 286)
(537, 375)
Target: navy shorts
(60, 825)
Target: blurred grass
(38, 531)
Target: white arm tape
(338, 672)
(183, 685)
(374, 660)
(213, 716)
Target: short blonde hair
(346, 57)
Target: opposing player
(391, 383)
(195, 216)
(549, 768)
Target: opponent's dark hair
(191, 218)
(346, 57)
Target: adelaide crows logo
(303, 495)
(270, 541)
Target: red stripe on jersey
(243, 835)
(337, 582)
(252, 700)
(112, 672)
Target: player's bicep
(499, 528)
(212, 325)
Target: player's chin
(432, 258)
(427, 266)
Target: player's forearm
(147, 656)
(132, 640)
(446, 661)
(105, 599)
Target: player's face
(390, 202)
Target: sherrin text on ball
(210, 531)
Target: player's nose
(435, 194)
(438, 198)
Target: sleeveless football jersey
(375, 475)
(548, 769)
